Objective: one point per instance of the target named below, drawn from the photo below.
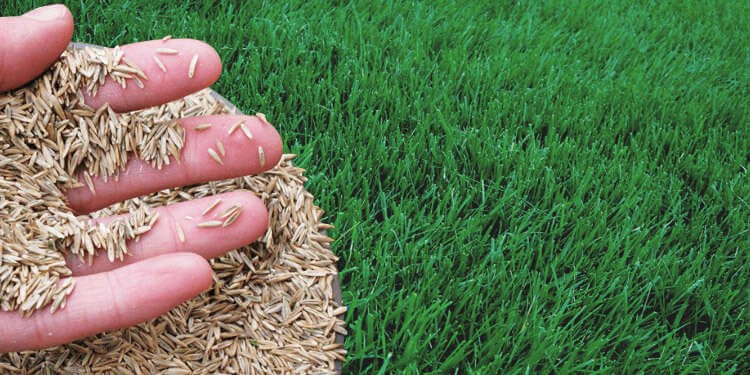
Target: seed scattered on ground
(203, 126)
(193, 62)
(167, 51)
(159, 63)
(180, 233)
(235, 126)
(166, 38)
(261, 156)
(215, 156)
(210, 224)
(211, 207)
(220, 147)
(247, 132)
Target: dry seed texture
(271, 310)
(48, 137)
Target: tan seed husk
(246, 131)
(229, 220)
(159, 63)
(210, 224)
(211, 207)
(215, 156)
(89, 182)
(180, 233)
(166, 38)
(135, 69)
(203, 126)
(193, 62)
(220, 147)
(167, 51)
(261, 156)
(229, 211)
(235, 126)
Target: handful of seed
(48, 137)
(274, 307)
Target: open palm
(162, 270)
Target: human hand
(161, 271)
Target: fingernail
(47, 13)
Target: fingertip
(276, 146)
(181, 276)
(47, 13)
(213, 63)
(256, 222)
(190, 266)
(32, 42)
(248, 226)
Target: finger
(110, 301)
(31, 43)
(164, 237)
(160, 87)
(196, 164)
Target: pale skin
(162, 271)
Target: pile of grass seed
(272, 308)
(48, 137)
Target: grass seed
(215, 156)
(229, 220)
(193, 62)
(245, 130)
(180, 233)
(293, 319)
(210, 224)
(211, 207)
(159, 63)
(235, 126)
(220, 147)
(261, 156)
(167, 51)
(89, 182)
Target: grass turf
(521, 186)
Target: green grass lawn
(517, 187)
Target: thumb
(30, 43)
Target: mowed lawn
(517, 186)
